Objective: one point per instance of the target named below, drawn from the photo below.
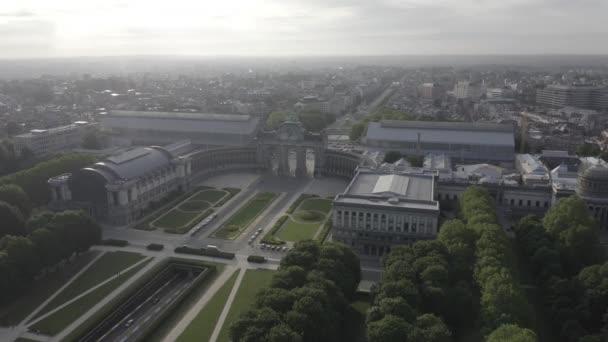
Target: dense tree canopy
(11, 220)
(307, 298)
(34, 180)
(511, 333)
(54, 237)
(15, 196)
(392, 156)
(275, 119)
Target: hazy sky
(52, 28)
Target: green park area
(245, 215)
(306, 221)
(42, 289)
(108, 265)
(252, 283)
(201, 328)
(190, 211)
(59, 320)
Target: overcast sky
(55, 28)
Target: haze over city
(69, 28)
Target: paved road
(149, 310)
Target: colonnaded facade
(122, 189)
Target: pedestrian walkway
(220, 321)
(185, 321)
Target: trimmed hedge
(297, 202)
(204, 252)
(155, 247)
(269, 237)
(256, 258)
(114, 242)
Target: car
(260, 230)
(155, 300)
(263, 246)
(129, 323)
(285, 249)
(275, 248)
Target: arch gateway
(288, 151)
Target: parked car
(129, 323)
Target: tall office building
(581, 96)
(467, 90)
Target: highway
(149, 310)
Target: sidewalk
(179, 328)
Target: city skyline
(68, 28)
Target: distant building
(432, 91)
(463, 142)
(161, 128)
(467, 90)
(379, 210)
(580, 96)
(47, 142)
(313, 104)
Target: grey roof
(135, 162)
(181, 122)
(442, 132)
(417, 187)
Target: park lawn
(319, 204)
(55, 323)
(245, 215)
(106, 266)
(175, 219)
(194, 206)
(211, 196)
(253, 281)
(294, 231)
(202, 326)
(42, 289)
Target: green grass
(209, 195)
(253, 281)
(244, 216)
(42, 289)
(293, 231)
(106, 266)
(194, 206)
(23, 339)
(201, 327)
(308, 216)
(55, 323)
(318, 204)
(175, 219)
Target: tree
(21, 253)
(289, 278)
(91, 141)
(357, 131)
(275, 119)
(77, 230)
(431, 328)
(511, 333)
(39, 221)
(389, 329)
(47, 246)
(15, 196)
(581, 246)
(588, 150)
(568, 212)
(12, 220)
(283, 333)
(392, 156)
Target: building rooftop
(442, 132)
(395, 189)
(135, 162)
(182, 122)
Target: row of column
(385, 222)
